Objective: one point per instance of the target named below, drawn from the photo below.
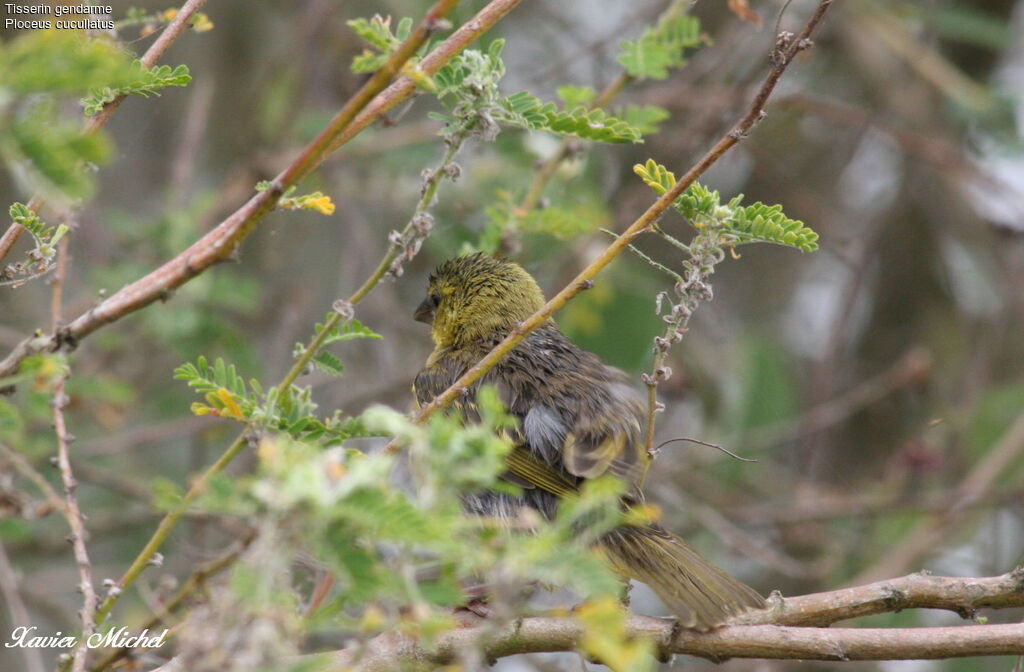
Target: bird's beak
(424, 312)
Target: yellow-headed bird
(579, 419)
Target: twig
(174, 29)
(928, 533)
(28, 471)
(445, 51)
(16, 609)
(786, 48)
(194, 583)
(73, 513)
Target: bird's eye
(435, 299)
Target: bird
(578, 419)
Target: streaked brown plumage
(579, 418)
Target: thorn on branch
(782, 43)
(344, 308)
(437, 25)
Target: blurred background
(879, 382)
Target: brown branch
(221, 243)
(72, 512)
(537, 635)
(149, 59)
(964, 596)
(787, 46)
(774, 632)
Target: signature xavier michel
(26, 637)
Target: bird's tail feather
(699, 594)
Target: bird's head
(477, 297)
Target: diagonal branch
(171, 33)
(786, 48)
(221, 243)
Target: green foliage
(645, 118)
(46, 151)
(576, 96)
(326, 361)
(606, 637)
(757, 223)
(660, 48)
(134, 16)
(45, 237)
(143, 82)
(51, 153)
(468, 87)
(377, 32)
(563, 219)
(292, 411)
(59, 61)
(340, 505)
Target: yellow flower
(201, 23)
(170, 14)
(321, 204)
(200, 409)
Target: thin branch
(171, 33)
(445, 51)
(786, 48)
(31, 473)
(72, 511)
(195, 582)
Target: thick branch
(537, 635)
(771, 633)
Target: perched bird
(578, 419)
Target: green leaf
(328, 363)
(645, 118)
(660, 48)
(143, 82)
(57, 61)
(576, 96)
(53, 153)
(757, 223)
(347, 332)
(524, 110)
